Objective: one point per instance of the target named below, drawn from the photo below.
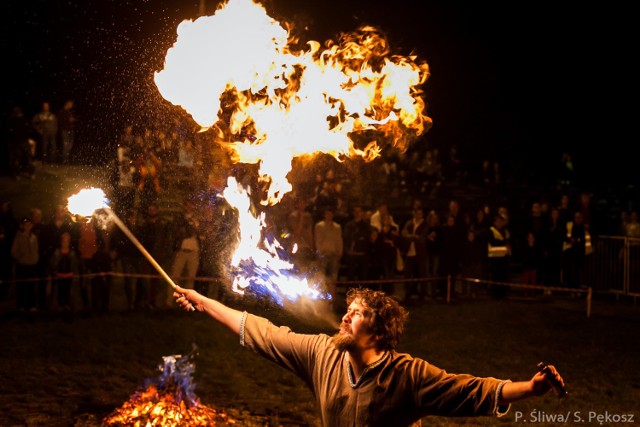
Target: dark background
(521, 82)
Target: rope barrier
(397, 281)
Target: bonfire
(168, 400)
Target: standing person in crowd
(434, 246)
(64, 267)
(499, 254)
(46, 245)
(186, 259)
(18, 134)
(86, 238)
(452, 249)
(8, 228)
(130, 259)
(473, 260)
(358, 377)
(67, 125)
(148, 163)
(632, 232)
(415, 254)
(552, 247)
(50, 235)
(357, 236)
(125, 173)
(586, 209)
(329, 250)
(574, 251)
(154, 237)
(24, 253)
(300, 226)
(564, 209)
(45, 123)
(622, 224)
(632, 227)
(376, 217)
(532, 257)
(208, 236)
(388, 243)
(103, 265)
(536, 221)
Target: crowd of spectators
(394, 225)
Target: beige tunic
(398, 391)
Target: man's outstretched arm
(227, 316)
(536, 386)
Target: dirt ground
(74, 369)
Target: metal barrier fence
(614, 265)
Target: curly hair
(389, 317)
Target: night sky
(520, 81)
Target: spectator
(45, 123)
(64, 267)
(434, 248)
(154, 237)
(126, 173)
(46, 245)
(452, 247)
(102, 266)
(24, 252)
(19, 133)
(499, 255)
(474, 260)
(387, 243)
(67, 126)
(532, 257)
(148, 164)
(329, 250)
(130, 262)
(209, 236)
(415, 253)
(300, 225)
(376, 217)
(574, 251)
(622, 225)
(552, 248)
(186, 258)
(585, 208)
(357, 239)
(8, 228)
(87, 246)
(632, 227)
(565, 210)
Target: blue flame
(177, 372)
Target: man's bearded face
(344, 339)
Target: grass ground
(73, 370)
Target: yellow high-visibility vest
(499, 251)
(587, 239)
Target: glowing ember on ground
(169, 400)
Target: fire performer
(357, 376)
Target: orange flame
(153, 407)
(344, 100)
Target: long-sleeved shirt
(25, 249)
(328, 238)
(397, 390)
